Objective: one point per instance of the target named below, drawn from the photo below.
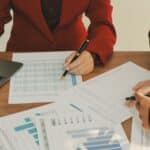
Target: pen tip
(61, 78)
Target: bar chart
(30, 128)
(96, 139)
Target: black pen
(133, 98)
(78, 53)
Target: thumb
(69, 58)
(144, 90)
(142, 99)
(139, 96)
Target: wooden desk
(140, 58)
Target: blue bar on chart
(96, 139)
(74, 80)
(28, 126)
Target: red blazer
(31, 33)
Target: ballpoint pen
(133, 98)
(78, 53)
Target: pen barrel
(82, 48)
(64, 74)
(75, 57)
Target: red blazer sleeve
(4, 14)
(101, 31)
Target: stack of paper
(79, 133)
(57, 126)
(105, 94)
(86, 117)
(19, 131)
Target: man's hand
(83, 65)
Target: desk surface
(140, 58)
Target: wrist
(96, 59)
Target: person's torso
(31, 32)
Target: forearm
(102, 43)
(101, 31)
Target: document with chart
(39, 78)
(79, 133)
(18, 131)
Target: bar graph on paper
(29, 127)
(79, 133)
(39, 78)
(96, 139)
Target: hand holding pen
(80, 62)
(142, 102)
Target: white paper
(79, 133)
(140, 138)
(39, 78)
(19, 132)
(105, 94)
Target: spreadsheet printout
(39, 78)
(79, 133)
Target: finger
(85, 57)
(139, 97)
(143, 100)
(76, 63)
(144, 115)
(138, 106)
(141, 84)
(138, 86)
(145, 125)
(140, 116)
(69, 58)
(79, 70)
(144, 91)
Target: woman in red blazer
(31, 31)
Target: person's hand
(138, 86)
(142, 102)
(141, 84)
(144, 105)
(84, 64)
